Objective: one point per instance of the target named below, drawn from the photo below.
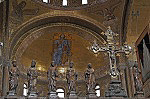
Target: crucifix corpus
(112, 48)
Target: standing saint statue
(13, 78)
(138, 82)
(32, 79)
(90, 78)
(52, 75)
(61, 51)
(71, 77)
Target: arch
(84, 1)
(25, 89)
(46, 1)
(64, 3)
(54, 18)
(97, 90)
(60, 92)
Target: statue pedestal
(32, 94)
(11, 93)
(91, 95)
(115, 89)
(52, 95)
(139, 94)
(73, 95)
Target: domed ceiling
(70, 4)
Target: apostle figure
(13, 79)
(138, 83)
(90, 78)
(71, 77)
(61, 51)
(32, 78)
(52, 75)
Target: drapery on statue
(13, 78)
(138, 82)
(90, 78)
(32, 77)
(71, 77)
(52, 77)
(61, 51)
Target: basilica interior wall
(34, 25)
(23, 17)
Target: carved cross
(112, 48)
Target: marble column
(5, 49)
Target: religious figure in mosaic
(61, 51)
(90, 78)
(32, 77)
(19, 11)
(52, 77)
(71, 77)
(13, 78)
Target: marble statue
(13, 79)
(52, 75)
(71, 77)
(90, 78)
(32, 79)
(138, 83)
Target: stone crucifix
(112, 49)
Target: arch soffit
(35, 33)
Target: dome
(69, 4)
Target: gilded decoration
(33, 38)
(45, 19)
(18, 12)
(43, 39)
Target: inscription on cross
(112, 48)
